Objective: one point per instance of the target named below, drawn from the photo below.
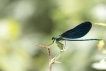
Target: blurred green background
(25, 23)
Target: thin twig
(49, 55)
(51, 60)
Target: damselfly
(76, 33)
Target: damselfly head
(53, 38)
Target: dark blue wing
(79, 31)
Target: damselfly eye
(53, 38)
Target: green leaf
(60, 45)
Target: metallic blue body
(57, 37)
